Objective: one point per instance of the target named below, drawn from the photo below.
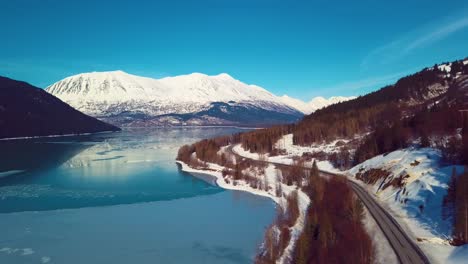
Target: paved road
(405, 248)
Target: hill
(28, 111)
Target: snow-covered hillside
(111, 95)
(412, 183)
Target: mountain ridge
(116, 93)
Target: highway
(404, 247)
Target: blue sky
(300, 48)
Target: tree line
(455, 203)
(333, 222)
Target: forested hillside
(27, 111)
(426, 109)
(425, 104)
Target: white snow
(107, 93)
(214, 170)
(297, 104)
(383, 251)
(320, 102)
(314, 104)
(293, 151)
(445, 67)
(286, 143)
(425, 185)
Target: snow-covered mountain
(193, 99)
(320, 102)
(314, 104)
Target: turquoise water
(120, 198)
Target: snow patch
(293, 151)
(383, 250)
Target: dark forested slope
(27, 111)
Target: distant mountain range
(195, 99)
(314, 104)
(27, 111)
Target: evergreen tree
(425, 143)
(448, 207)
(461, 216)
(464, 148)
(237, 172)
(314, 173)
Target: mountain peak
(200, 75)
(118, 72)
(224, 76)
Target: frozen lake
(120, 198)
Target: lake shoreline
(58, 135)
(296, 229)
(218, 180)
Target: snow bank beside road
(417, 205)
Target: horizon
(289, 49)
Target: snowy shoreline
(194, 126)
(56, 136)
(218, 180)
(216, 173)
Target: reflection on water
(52, 192)
(103, 169)
(35, 155)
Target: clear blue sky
(300, 48)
